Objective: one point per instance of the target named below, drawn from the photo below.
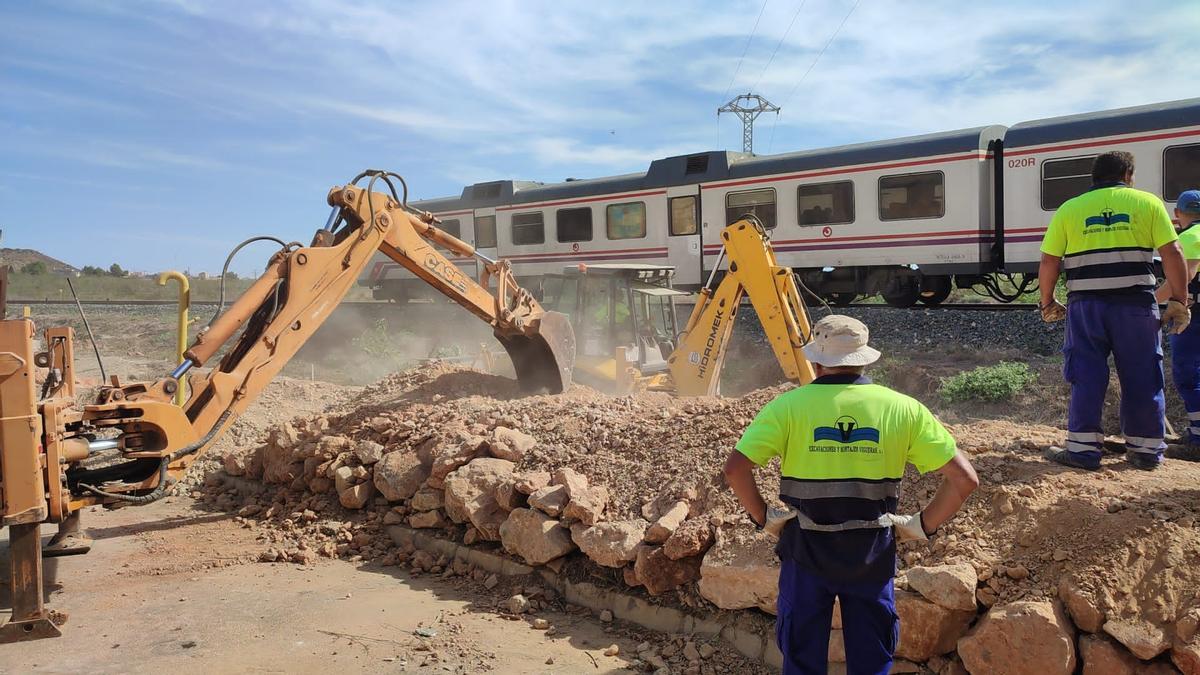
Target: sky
(159, 134)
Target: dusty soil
(173, 587)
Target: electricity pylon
(755, 105)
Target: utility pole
(754, 106)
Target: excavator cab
(623, 317)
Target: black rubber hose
(229, 259)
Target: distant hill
(16, 258)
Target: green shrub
(987, 383)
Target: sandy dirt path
(168, 587)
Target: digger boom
(45, 440)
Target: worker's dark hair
(1112, 166)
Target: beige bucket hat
(839, 340)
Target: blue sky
(159, 134)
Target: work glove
(776, 519)
(909, 528)
(1176, 317)
(1053, 311)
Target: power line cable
(746, 48)
(780, 44)
(812, 65)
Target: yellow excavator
(623, 317)
(129, 444)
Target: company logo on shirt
(846, 430)
(1107, 218)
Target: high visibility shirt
(1107, 238)
(1189, 241)
(843, 444)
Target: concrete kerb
(751, 635)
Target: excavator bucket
(545, 359)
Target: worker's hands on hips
(1176, 317)
(909, 528)
(1053, 311)
(776, 519)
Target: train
(909, 219)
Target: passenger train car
(909, 218)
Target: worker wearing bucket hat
(843, 443)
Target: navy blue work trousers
(1129, 331)
(870, 627)
(1185, 371)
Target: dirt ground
(170, 586)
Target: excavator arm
(46, 441)
(695, 365)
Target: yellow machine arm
(45, 440)
(695, 365)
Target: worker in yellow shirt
(843, 443)
(1105, 241)
(1185, 346)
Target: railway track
(961, 306)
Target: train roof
(1107, 123)
(927, 145)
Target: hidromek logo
(711, 342)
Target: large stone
(951, 586)
(738, 576)
(1144, 639)
(679, 490)
(549, 500)
(666, 525)
(1081, 605)
(692, 538)
(507, 496)
(587, 506)
(1020, 638)
(426, 499)
(470, 495)
(530, 482)
(534, 536)
(1101, 656)
(572, 480)
(356, 496)
(927, 629)
(610, 544)
(453, 456)
(660, 574)
(510, 444)
(427, 519)
(399, 475)
(1186, 657)
(368, 452)
(343, 478)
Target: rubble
(633, 483)
(1022, 637)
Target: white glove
(909, 528)
(776, 519)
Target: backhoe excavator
(624, 318)
(128, 446)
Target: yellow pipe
(185, 301)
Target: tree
(34, 268)
(92, 271)
(116, 271)
(231, 276)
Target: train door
(485, 236)
(683, 235)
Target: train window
(528, 228)
(757, 202)
(1063, 179)
(626, 221)
(1181, 170)
(575, 224)
(912, 195)
(683, 215)
(451, 227)
(825, 203)
(485, 231)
